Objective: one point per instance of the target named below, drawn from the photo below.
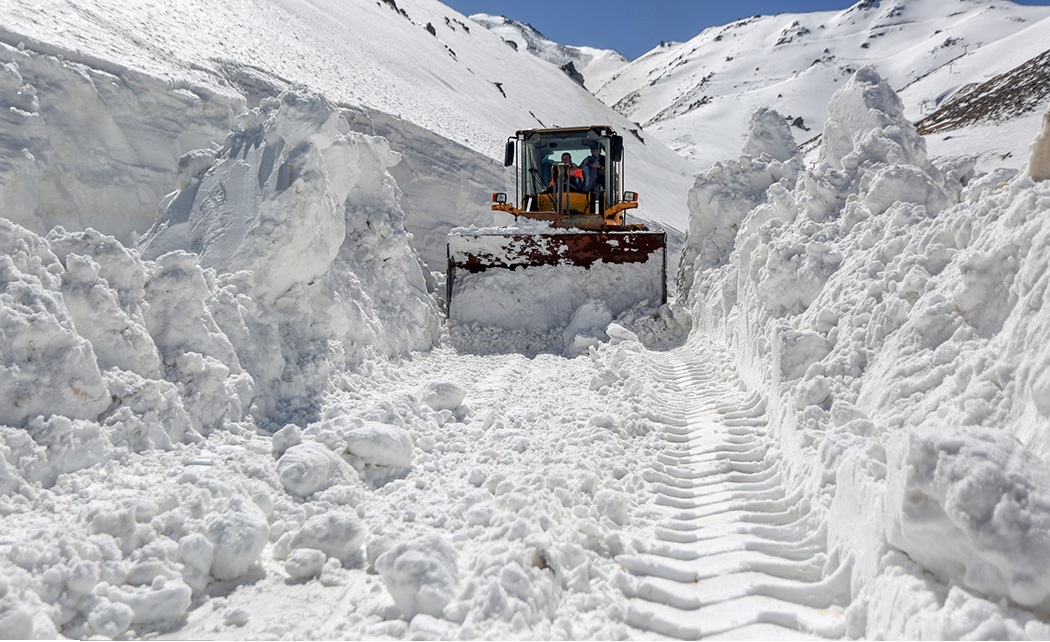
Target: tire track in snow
(737, 553)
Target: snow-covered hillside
(90, 80)
(697, 96)
(591, 66)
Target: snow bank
(895, 312)
(308, 209)
(136, 386)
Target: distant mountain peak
(586, 65)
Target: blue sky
(633, 27)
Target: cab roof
(601, 130)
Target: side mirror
(616, 148)
(508, 154)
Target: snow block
(337, 534)
(239, 535)
(443, 395)
(379, 444)
(310, 466)
(422, 575)
(972, 505)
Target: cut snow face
(92, 145)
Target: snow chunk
(866, 121)
(972, 505)
(421, 575)
(310, 466)
(337, 534)
(769, 134)
(1039, 162)
(239, 535)
(103, 287)
(148, 413)
(907, 184)
(16, 619)
(797, 350)
(197, 554)
(587, 327)
(162, 600)
(379, 444)
(614, 505)
(305, 563)
(46, 367)
(111, 618)
(443, 395)
(236, 617)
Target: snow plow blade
(536, 281)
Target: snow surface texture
(193, 451)
(893, 311)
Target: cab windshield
(545, 150)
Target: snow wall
(92, 144)
(896, 312)
(281, 259)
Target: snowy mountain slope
(976, 67)
(1005, 93)
(594, 66)
(697, 96)
(465, 85)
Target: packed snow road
(737, 552)
(623, 494)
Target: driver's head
(566, 157)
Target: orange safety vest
(574, 172)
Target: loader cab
(579, 192)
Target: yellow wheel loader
(569, 243)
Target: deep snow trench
(253, 423)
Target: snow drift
(893, 309)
